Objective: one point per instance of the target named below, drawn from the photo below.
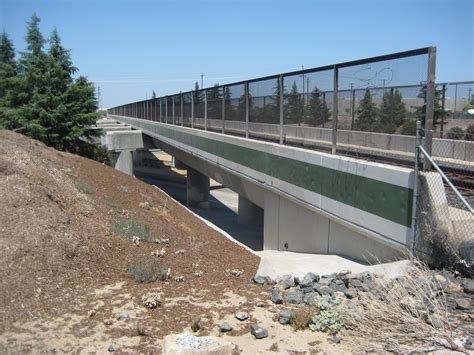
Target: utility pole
(302, 68)
(202, 81)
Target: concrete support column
(124, 162)
(197, 189)
(177, 164)
(249, 213)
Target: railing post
(192, 110)
(443, 104)
(223, 109)
(429, 112)
(182, 116)
(172, 100)
(166, 109)
(247, 109)
(205, 110)
(281, 99)
(160, 109)
(352, 109)
(334, 110)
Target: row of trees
(40, 95)
(266, 109)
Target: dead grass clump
(303, 317)
(405, 314)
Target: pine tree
(50, 104)
(197, 95)
(421, 111)
(317, 112)
(153, 95)
(10, 83)
(366, 113)
(392, 111)
(294, 107)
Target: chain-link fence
(444, 233)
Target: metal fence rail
(384, 94)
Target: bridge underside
(303, 216)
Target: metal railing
(364, 95)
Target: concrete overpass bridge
(247, 137)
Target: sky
(130, 48)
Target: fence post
(192, 110)
(166, 109)
(281, 98)
(205, 110)
(160, 109)
(353, 109)
(172, 100)
(247, 109)
(415, 187)
(443, 103)
(334, 110)
(223, 109)
(430, 96)
(182, 116)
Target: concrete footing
(197, 189)
(249, 213)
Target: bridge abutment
(197, 189)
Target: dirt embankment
(61, 217)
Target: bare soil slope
(60, 248)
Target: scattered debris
(136, 240)
(151, 300)
(235, 272)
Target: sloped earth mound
(62, 253)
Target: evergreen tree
(366, 113)
(153, 95)
(294, 107)
(214, 102)
(317, 112)
(49, 104)
(198, 96)
(421, 111)
(392, 111)
(10, 83)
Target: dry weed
(405, 314)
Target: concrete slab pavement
(275, 263)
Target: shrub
(470, 133)
(409, 128)
(83, 186)
(143, 272)
(303, 317)
(130, 229)
(330, 317)
(456, 133)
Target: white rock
(187, 344)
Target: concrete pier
(249, 213)
(124, 162)
(197, 189)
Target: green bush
(330, 317)
(143, 272)
(83, 186)
(409, 128)
(456, 133)
(470, 133)
(130, 229)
